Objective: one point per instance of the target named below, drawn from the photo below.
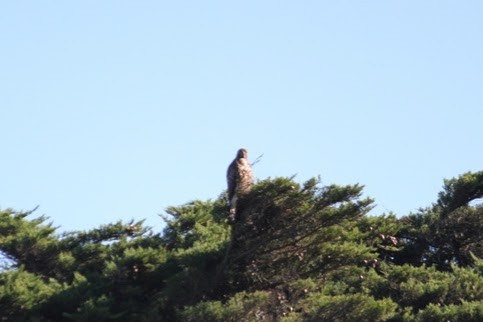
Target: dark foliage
(296, 252)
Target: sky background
(116, 110)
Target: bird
(239, 179)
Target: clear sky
(118, 109)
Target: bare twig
(257, 160)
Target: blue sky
(118, 109)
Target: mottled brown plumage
(239, 178)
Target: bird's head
(242, 154)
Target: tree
(451, 230)
(297, 252)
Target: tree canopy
(297, 252)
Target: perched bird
(239, 178)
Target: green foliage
(464, 312)
(296, 252)
(458, 192)
(31, 243)
(94, 309)
(22, 292)
(241, 307)
(289, 231)
(449, 231)
(340, 308)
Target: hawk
(239, 178)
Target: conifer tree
(450, 230)
(297, 252)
